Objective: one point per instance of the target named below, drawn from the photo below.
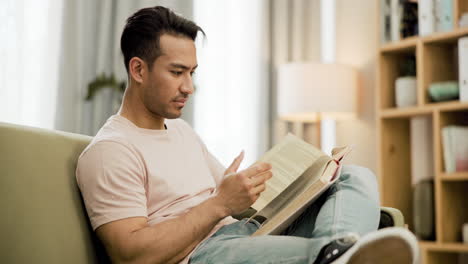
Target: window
(230, 108)
(29, 52)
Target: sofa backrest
(43, 219)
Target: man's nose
(187, 85)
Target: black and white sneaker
(336, 248)
(385, 246)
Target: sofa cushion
(43, 217)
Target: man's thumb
(235, 164)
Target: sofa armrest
(391, 217)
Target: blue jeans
(350, 205)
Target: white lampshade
(305, 89)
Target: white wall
(357, 46)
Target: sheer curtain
(91, 47)
(230, 106)
(29, 56)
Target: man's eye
(176, 73)
(192, 73)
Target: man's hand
(238, 191)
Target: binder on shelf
(444, 15)
(423, 210)
(395, 19)
(463, 22)
(426, 16)
(385, 21)
(409, 19)
(463, 68)
(421, 149)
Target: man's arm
(132, 240)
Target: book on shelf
(403, 18)
(423, 210)
(426, 17)
(421, 149)
(385, 21)
(395, 17)
(463, 68)
(463, 22)
(444, 15)
(301, 172)
(455, 148)
(409, 19)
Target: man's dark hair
(141, 34)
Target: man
(154, 194)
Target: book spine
(444, 15)
(421, 149)
(385, 21)
(395, 19)
(460, 140)
(426, 17)
(447, 149)
(452, 144)
(463, 67)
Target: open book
(301, 172)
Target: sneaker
(336, 248)
(384, 246)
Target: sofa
(43, 217)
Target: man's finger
(261, 178)
(258, 189)
(235, 164)
(257, 169)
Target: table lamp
(315, 92)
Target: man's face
(169, 82)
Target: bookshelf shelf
(405, 45)
(445, 37)
(451, 106)
(435, 58)
(410, 43)
(404, 112)
(423, 110)
(447, 247)
(457, 176)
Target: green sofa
(43, 218)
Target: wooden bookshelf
(435, 57)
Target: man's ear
(137, 68)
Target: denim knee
(362, 178)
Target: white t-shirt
(129, 171)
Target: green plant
(102, 81)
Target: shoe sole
(388, 250)
(392, 245)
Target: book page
(311, 176)
(289, 159)
(286, 214)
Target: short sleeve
(112, 182)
